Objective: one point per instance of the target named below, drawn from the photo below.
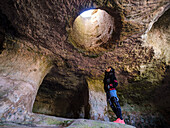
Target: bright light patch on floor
(87, 13)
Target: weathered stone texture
(43, 40)
(45, 22)
(21, 72)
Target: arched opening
(159, 37)
(63, 94)
(95, 30)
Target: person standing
(110, 84)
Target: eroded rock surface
(21, 73)
(37, 49)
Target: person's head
(110, 69)
(109, 72)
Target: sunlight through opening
(87, 13)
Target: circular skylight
(92, 30)
(87, 13)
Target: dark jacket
(110, 81)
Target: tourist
(110, 84)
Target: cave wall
(21, 72)
(43, 28)
(51, 21)
(158, 37)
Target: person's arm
(105, 85)
(114, 81)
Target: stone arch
(63, 94)
(20, 81)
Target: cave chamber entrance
(63, 94)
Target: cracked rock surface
(45, 54)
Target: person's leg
(111, 104)
(113, 108)
(115, 102)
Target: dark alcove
(63, 94)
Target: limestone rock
(37, 48)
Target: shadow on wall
(2, 38)
(63, 94)
(6, 28)
(162, 96)
(116, 14)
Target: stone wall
(35, 35)
(21, 72)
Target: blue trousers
(114, 103)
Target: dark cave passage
(63, 94)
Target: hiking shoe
(119, 121)
(122, 121)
